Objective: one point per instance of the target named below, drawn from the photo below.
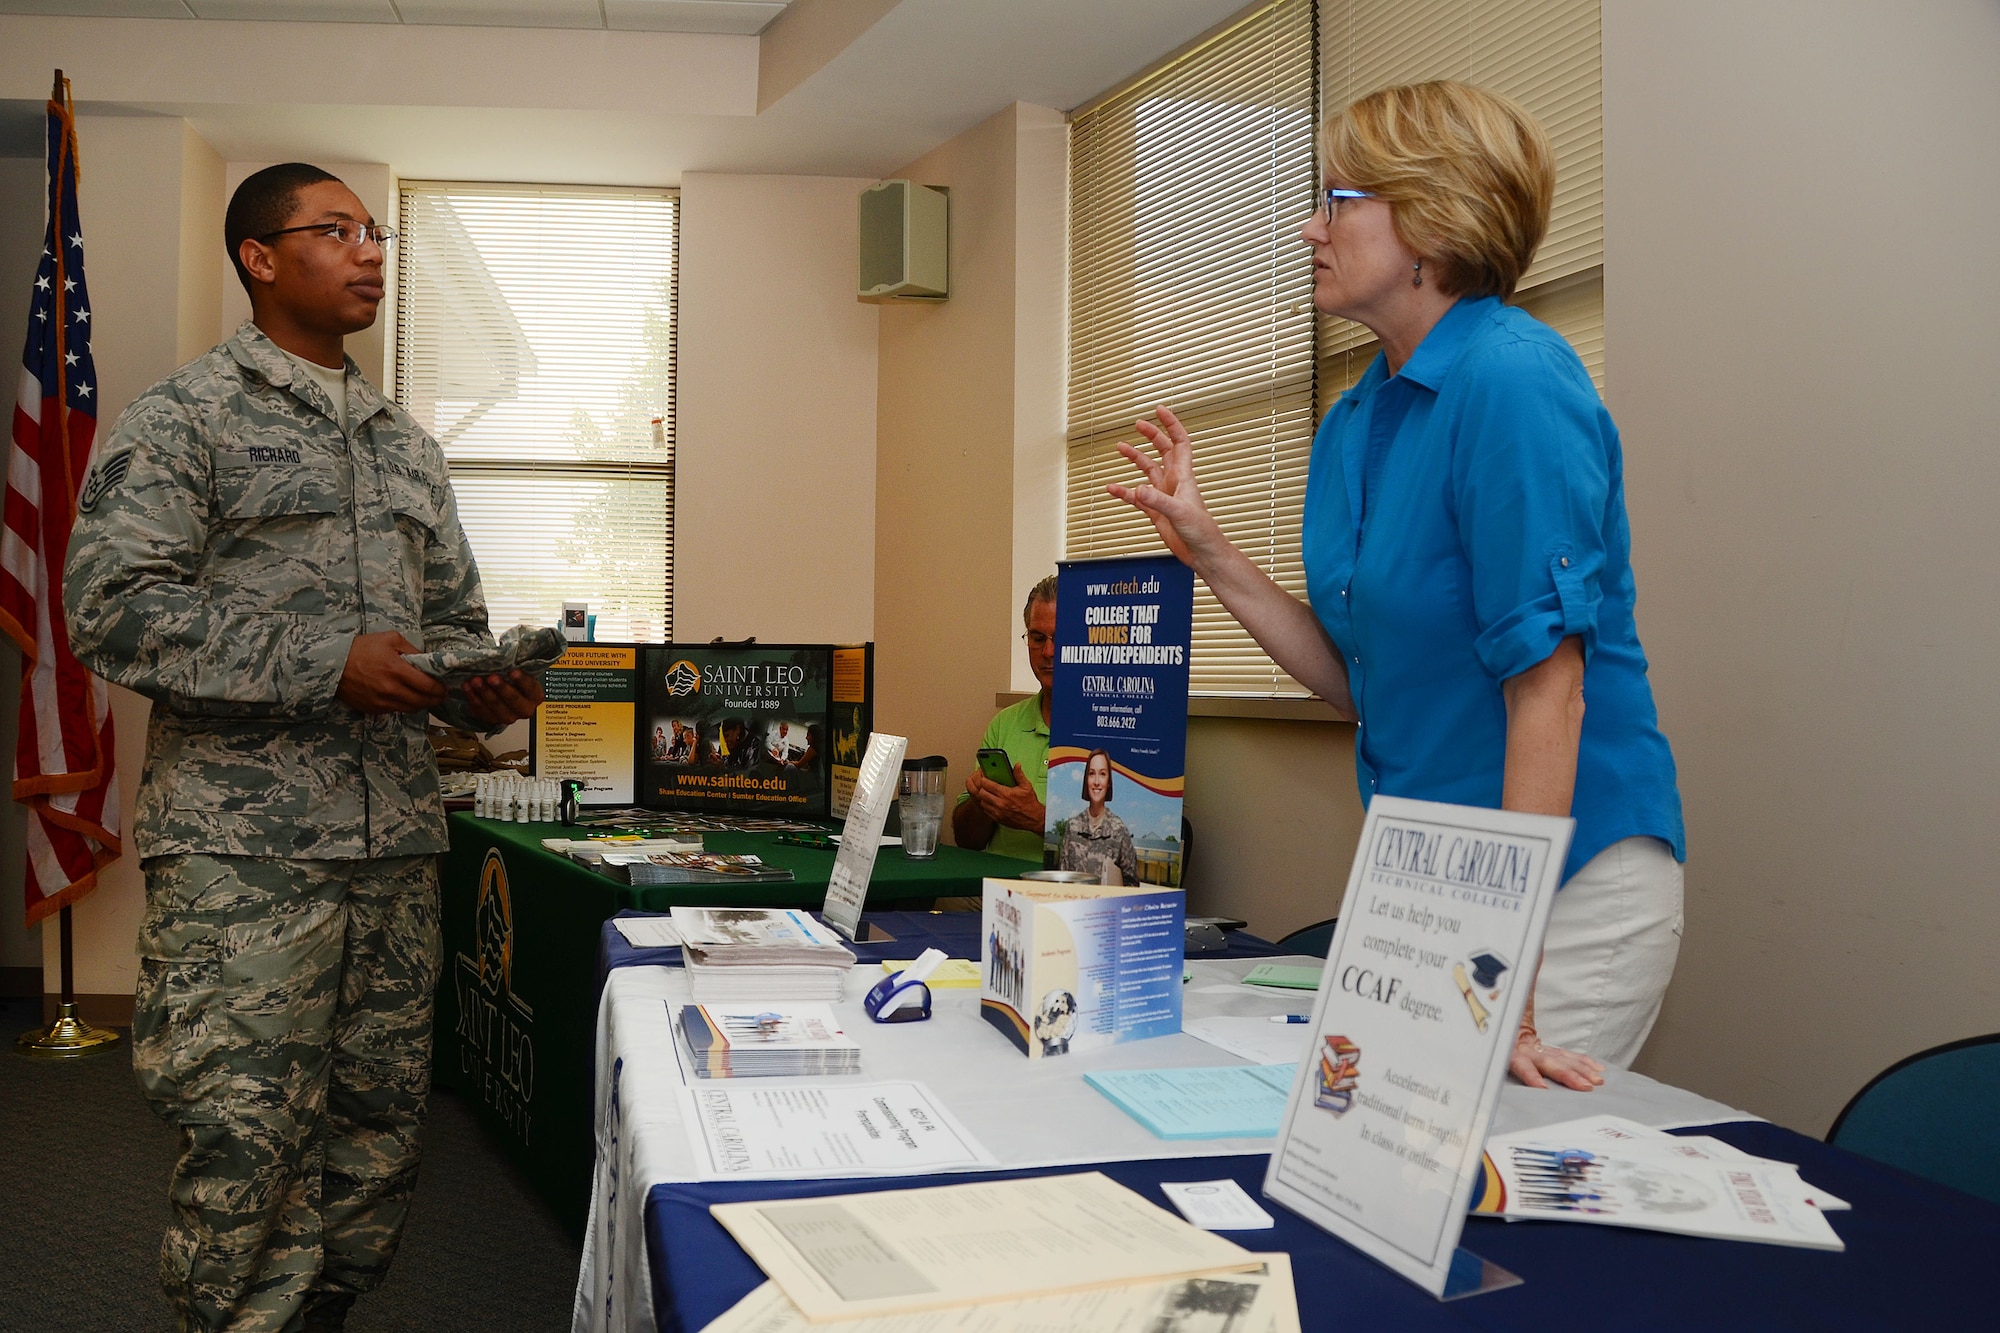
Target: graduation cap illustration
(1486, 969)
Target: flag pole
(69, 1036)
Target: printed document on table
(741, 1132)
(1257, 1039)
(1262, 1301)
(648, 932)
(897, 1251)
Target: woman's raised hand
(1169, 496)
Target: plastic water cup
(920, 803)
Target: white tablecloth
(1025, 1112)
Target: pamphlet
(644, 868)
(758, 936)
(753, 1041)
(1075, 967)
(1419, 1002)
(896, 1251)
(1231, 1102)
(1118, 719)
(1259, 1301)
(1615, 1172)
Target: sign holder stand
(847, 888)
(1473, 1276)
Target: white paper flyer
(825, 1129)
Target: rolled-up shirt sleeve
(1531, 480)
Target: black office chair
(1932, 1115)
(1315, 939)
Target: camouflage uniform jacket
(230, 542)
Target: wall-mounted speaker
(904, 227)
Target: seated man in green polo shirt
(1008, 820)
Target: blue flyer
(1118, 719)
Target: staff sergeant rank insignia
(101, 481)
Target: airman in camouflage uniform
(234, 548)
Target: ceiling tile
(732, 16)
(504, 13)
(298, 11)
(116, 9)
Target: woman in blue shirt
(1466, 550)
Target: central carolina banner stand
(1118, 719)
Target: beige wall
(1040, 372)
(1276, 820)
(945, 618)
(202, 202)
(1800, 281)
(775, 471)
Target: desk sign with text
(1418, 1008)
(867, 811)
(1118, 719)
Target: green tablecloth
(516, 1018)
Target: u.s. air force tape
(102, 480)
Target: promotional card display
(584, 727)
(873, 790)
(1118, 719)
(1418, 1007)
(755, 729)
(1076, 967)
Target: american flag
(63, 766)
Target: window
(536, 340)
(1189, 287)
(1545, 55)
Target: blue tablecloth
(1915, 1258)
(957, 933)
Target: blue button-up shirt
(1462, 518)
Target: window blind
(1189, 287)
(1542, 53)
(536, 341)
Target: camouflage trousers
(283, 1026)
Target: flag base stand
(67, 1038)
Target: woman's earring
(1417, 274)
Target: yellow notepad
(951, 974)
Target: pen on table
(1291, 1018)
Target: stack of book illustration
(760, 953)
(745, 1041)
(1339, 1072)
(697, 867)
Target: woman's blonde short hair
(1468, 176)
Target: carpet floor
(83, 1187)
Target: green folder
(1283, 976)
